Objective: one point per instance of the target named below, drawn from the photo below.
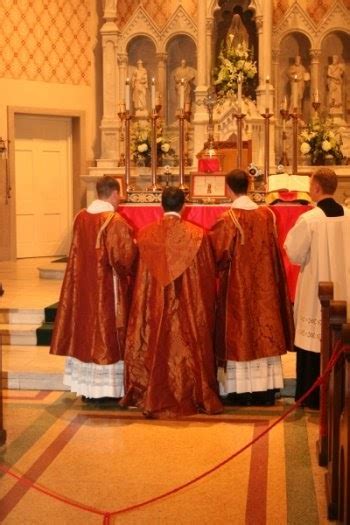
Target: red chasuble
(93, 309)
(169, 359)
(254, 314)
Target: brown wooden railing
(334, 442)
(2, 430)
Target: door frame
(78, 119)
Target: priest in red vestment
(92, 314)
(254, 324)
(169, 358)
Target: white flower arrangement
(141, 145)
(235, 62)
(321, 138)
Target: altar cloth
(139, 215)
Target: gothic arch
(140, 24)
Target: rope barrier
(338, 350)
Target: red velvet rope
(338, 350)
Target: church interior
(156, 94)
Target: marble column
(109, 124)
(200, 114)
(209, 39)
(315, 55)
(275, 73)
(202, 47)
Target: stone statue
(139, 84)
(297, 75)
(188, 75)
(237, 33)
(335, 77)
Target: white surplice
(321, 246)
(90, 379)
(250, 376)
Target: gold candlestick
(126, 117)
(267, 115)
(285, 117)
(295, 117)
(154, 157)
(182, 116)
(239, 118)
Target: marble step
(21, 315)
(18, 380)
(18, 334)
(52, 271)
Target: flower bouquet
(320, 140)
(235, 62)
(141, 146)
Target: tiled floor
(24, 289)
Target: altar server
(320, 243)
(93, 309)
(254, 322)
(169, 359)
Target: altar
(139, 215)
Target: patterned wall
(47, 40)
(159, 10)
(315, 8)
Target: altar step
(53, 270)
(27, 327)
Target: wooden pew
(337, 317)
(344, 439)
(325, 294)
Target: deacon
(92, 313)
(254, 322)
(169, 359)
(320, 243)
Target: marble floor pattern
(109, 459)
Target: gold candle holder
(285, 117)
(125, 117)
(267, 115)
(154, 158)
(182, 116)
(295, 118)
(239, 118)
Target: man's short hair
(106, 186)
(238, 181)
(173, 199)
(327, 179)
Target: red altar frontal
(139, 215)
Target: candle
(285, 103)
(316, 96)
(295, 92)
(239, 93)
(182, 94)
(267, 93)
(153, 93)
(127, 95)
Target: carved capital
(122, 59)
(315, 55)
(275, 54)
(209, 23)
(162, 58)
